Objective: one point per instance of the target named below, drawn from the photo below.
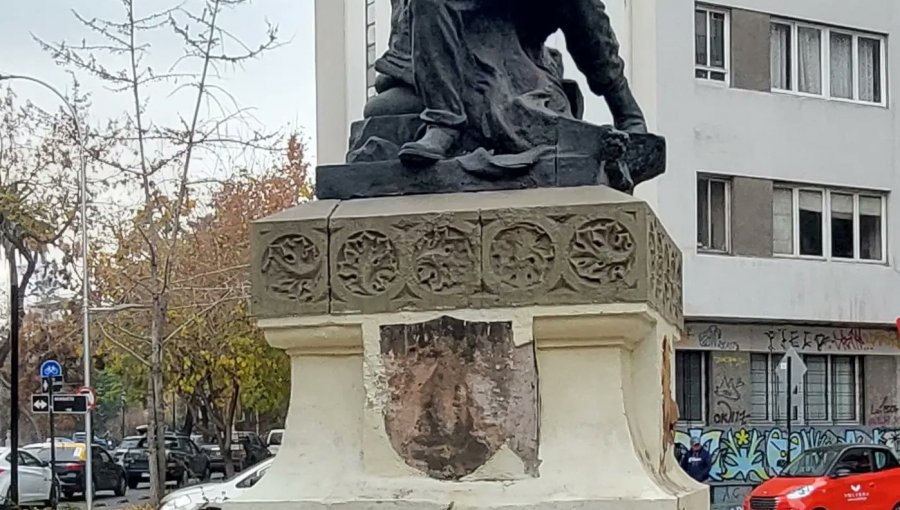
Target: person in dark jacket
(696, 462)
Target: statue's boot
(434, 146)
(625, 110)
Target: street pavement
(108, 501)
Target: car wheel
(133, 482)
(121, 487)
(207, 474)
(68, 494)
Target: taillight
(73, 467)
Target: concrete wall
(712, 128)
(751, 217)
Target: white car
(274, 440)
(35, 479)
(198, 496)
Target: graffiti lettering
(729, 497)
(711, 338)
(840, 339)
(725, 414)
(729, 388)
(884, 414)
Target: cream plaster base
(603, 440)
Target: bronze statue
(431, 44)
(469, 88)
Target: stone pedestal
(484, 350)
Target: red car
(838, 477)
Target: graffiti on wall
(728, 393)
(755, 454)
(736, 337)
(884, 412)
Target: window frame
(825, 57)
(371, 46)
(709, 179)
(726, 35)
(772, 401)
(827, 251)
(704, 386)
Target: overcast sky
(280, 86)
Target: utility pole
(15, 310)
(85, 295)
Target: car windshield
(63, 453)
(811, 463)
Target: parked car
(70, 466)
(184, 461)
(862, 477)
(199, 496)
(35, 479)
(126, 444)
(247, 449)
(273, 441)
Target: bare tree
(158, 172)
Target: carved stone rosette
(565, 246)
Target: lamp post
(85, 287)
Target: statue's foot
(431, 148)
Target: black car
(126, 444)
(184, 461)
(247, 449)
(70, 466)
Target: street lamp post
(85, 287)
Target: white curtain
(780, 51)
(869, 70)
(842, 66)
(809, 45)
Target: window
(857, 461)
(828, 62)
(884, 460)
(713, 214)
(760, 384)
(849, 224)
(371, 55)
(26, 459)
(711, 44)
(690, 370)
(829, 392)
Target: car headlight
(801, 493)
(180, 503)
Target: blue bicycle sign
(51, 368)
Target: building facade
(784, 163)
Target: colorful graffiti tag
(755, 454)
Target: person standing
(696, 462)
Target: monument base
(474, 351)
(604, 440)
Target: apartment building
(784, 165)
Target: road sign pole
(53, 488)
(790, 412)
(14, 386)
